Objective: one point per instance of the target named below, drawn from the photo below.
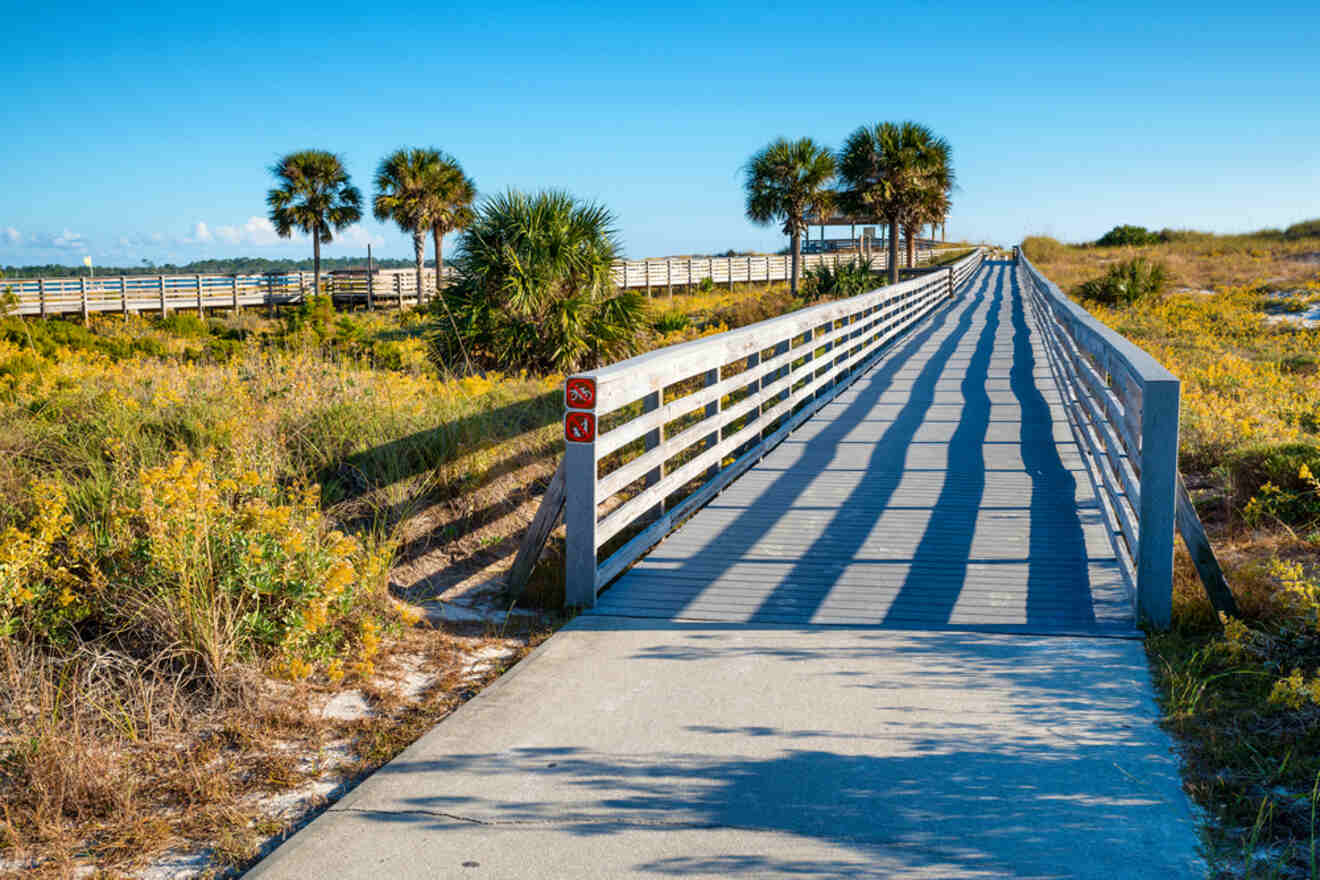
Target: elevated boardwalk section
(944, 488)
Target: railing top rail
(1143, 367)
(620, 383)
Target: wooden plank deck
(944, 489)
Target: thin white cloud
(200, 233)
(12, 235)
(359, 237)
(257, 231)
(65, 240)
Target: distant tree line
(229, 266)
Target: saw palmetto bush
(846, 279)
(1126, 282)
(535, 290)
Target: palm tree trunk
(439, 238)
(796, 240)
(316, 262)
(893, 251)
(419, 254)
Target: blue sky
(145, 132)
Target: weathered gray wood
(580, 525)
(1203, 554)
(164, 307)
(82, 289)
(548, 515)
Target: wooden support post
(689, 275)
(1159, 476)
(398, 291)
(548, 515)
(1203, 555)
(371, 301)
(233, 293)
(652, 439)
(669, 279)
(164, 306)
(712, 411)
(123, 296)
(580, 521)
(41, 294)
(201, 308)
(82, 288)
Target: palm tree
(451, 199)
(404, 194)
(314, 196)
(890, 169)
(932, 203)
(786, 181)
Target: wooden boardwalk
(944, 489)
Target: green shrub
(536, 290)
(846, 279)
(1126, 283)
(1120, 236)
(1042, 247)
(707, 285)
(671, 322)
(184, 324)
(1270, 482)
(1304, 229)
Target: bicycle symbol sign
(580, 393)
(579, 427)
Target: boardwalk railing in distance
(45, 297)
(651, 439)
(668, 272)
(1124, 410)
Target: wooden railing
(669, 272)
(44, 297)
(651, 439)
(164, 293)
(1124, 410)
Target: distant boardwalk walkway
(945, 488)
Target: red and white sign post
(580, 490)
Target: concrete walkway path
(628, 747)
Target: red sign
(580, 393)
(579, 427)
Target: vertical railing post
(82, 288)
(164, 306)
(201, 308)
(652, 439)
(41, 293)
(580, 492)
(1159, 486)
(123, 296)
(233, 292)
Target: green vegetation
(786, 181)
(1128, 235)
(535, 290)
(315, 196)
(1126, 282)
(901, 172)
(848, 279)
